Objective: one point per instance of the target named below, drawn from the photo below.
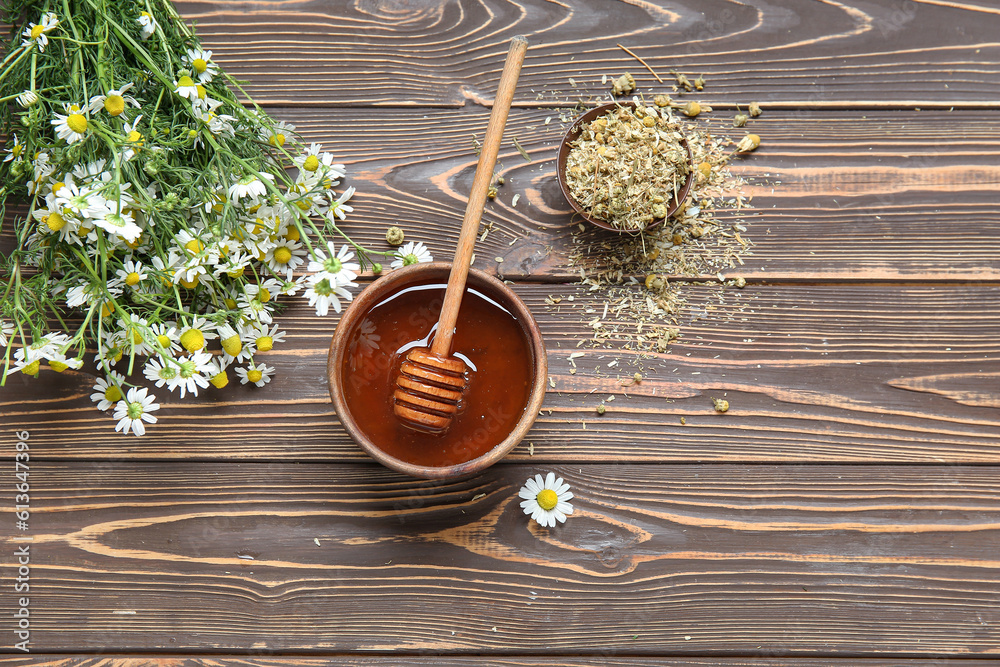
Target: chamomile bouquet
(165, 219)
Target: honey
(488, 338)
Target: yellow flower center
(193, 340)
(134, 244)
(185, 82)
(263, 295)
(114, 354)
(235, 273)
(201, 91)
(32, 368)
(77, 122)
(16, 150)
(114, 104)
(282, 255)
(132, 279)
(54, 221)
(304, 204)
(265, 343)
(232, 345)
(190, 284)
(36, 31)
(199, 65)
(230, 303)
(113, 394)
(311, 163)
(164, 341)
(253, 376)
(277, 140)
(220, 380)
(107, 308)
(57, 186)
(194, 246)
(136, 336)
(547, 499)
(293, 233)
(57, 366)
(134, 137)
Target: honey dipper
(431, 382)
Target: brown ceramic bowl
(564, 149)
(392, 284)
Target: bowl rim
(374, 293)
(563, 156)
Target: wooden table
(845, 510)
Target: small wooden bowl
(384, 287)
(564, 149)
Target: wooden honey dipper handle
(477, 197)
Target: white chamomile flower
(547, 501)
(28, 98)
(335, 266)
(147, 24)
(15, 150)
(113, 101)
(232, 342)
(323, 294)
(134, 331)
(59, 362)
(161, 371)
(194, 335)
(117, 220)
(6, 331)
(259, 374)
(338, 208)
(279, 135)
(263, 339)
(134, 410)
(107, 391)
(191, 373)
(218, 377)
(35, 32)
(167, 336)
(250, 186)
(71, 127)
(186, 87)
(200, 62)
(135, 140)
(411, 253)
(284, 256)
(132, 273)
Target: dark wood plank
(387, 52)
(854, 561)
(264, 658)
(837, 196)
(893, 373)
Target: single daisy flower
(284, 256)
(135, 409)
(60, 362)
(191, 373)
(547, 501)
(186, 87)
(200, 62)
(161, 371)
(134, 330)
(147, 24)
(335, 266)
(166, 336)
(16, 149)
(194, 335)
(135, 140)
(132, 273)
(259, 374)
(107, 391)
(339, 208)
(278, 135)
(35, 32)
(249, 186)
(71, 127)
(28, 98)
(218, 377)
(263, 339)
(411, 253)
(324, 294)
(113, 101)
(117, 220)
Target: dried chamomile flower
(699, 83)
(740, 119)
(692, 109)
(394, 236)
(748, 143)
(754, 109)
(720, 404)
(662, 101)
(623, 85)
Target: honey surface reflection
(487, 338)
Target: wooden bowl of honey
(497, 338)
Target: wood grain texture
(813, 373)
(390, 52)
(264, 658)
(837, 196)
(698, 560)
